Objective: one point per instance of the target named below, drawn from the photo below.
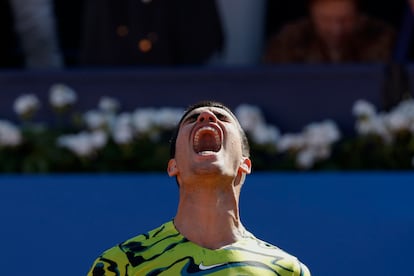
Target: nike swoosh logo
(207, 267)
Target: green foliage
(39, 153)
(141, 144)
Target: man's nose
(207, 116)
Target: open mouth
(206, 140)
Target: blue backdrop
(337, 223)
(290, 96)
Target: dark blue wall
(337, 223)
(291, 96)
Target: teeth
(216, 134)
(214, 146)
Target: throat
(211, 236)
(210, 225)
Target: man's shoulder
(281, 257)
(136, 250)
(139, 242)
(271, 249)
(288, 261)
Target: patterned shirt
(164, 251)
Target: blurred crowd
(61, 34)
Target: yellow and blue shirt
(164, 251)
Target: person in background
(10, 55)
(403, 52)
(34, 22)
(335, 31)
(397, 84)
(411, 3)
(150, 32)
(210, 162)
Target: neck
(209, 216)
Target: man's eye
(192, 118)
(221, 117)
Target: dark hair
(173, 140)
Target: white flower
(397, 121)
(363, 109)
(124, 118)
(402, 116)
(291, 141)
(167, 117)
(321, 152)
(108, 104)
(321, 133)
(26, 105)
(406, 107)
(98, 138)
(95, 119)
(61, 95)
(375, 126)
(306, 158)
(10, 135)
(312, 144)
(83, 144)
(77, 143)
(265, 134)
(123, 134)
(331, 131)
(249, 116)
(143, 119)
(122, 130)
(252, 121)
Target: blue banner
(336, 223)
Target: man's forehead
(210, 108)
(213, 109)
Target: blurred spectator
(243, 26)
(397, 83)
(334, 31)
(279, 12)
(10, 55)
(404, 51)
(69, 26)
(150, 32)
(34, 23)
(389, 11)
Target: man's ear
(172, 168)
(246, 165)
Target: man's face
(208, 143)
(334, 21)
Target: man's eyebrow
(221, 112)
(216, 111)
(191, 115)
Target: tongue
(207, 142)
